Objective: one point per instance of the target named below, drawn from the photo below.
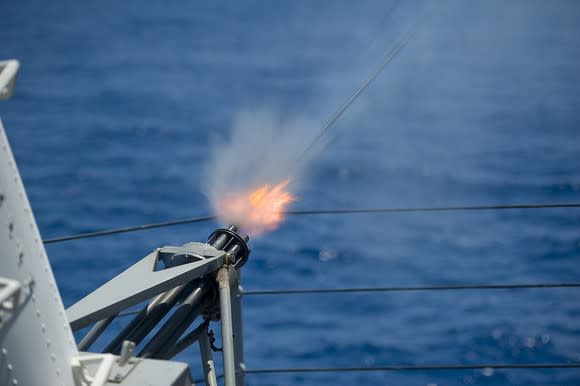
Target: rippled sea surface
(117, 102)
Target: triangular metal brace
(142, 281)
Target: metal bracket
(108, 369)
(143, 281)
(125, 364)
(9, 298)
(119, 373)
(104, 367)
(100, 377)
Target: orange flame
(257, 211)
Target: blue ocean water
(117, 103)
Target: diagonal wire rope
(339, 211)
(353, 97)
(361, 88)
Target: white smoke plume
(263, 148)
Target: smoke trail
(260, 150)
(265, 149)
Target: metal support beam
(156, 311)
(177, 324)
(223, 279)
(186, 341)
(95, 332)
(237, 327)
(142, 281)
(209, 373)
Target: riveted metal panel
(36, 343)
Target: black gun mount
(235, 245)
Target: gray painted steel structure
(36, 342)
(37, 346)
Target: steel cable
(435, 367)
(435, 209)
(353, 97)
(197, 219)
(362, 87)
(442, 367)
(106, 232)
(396, 289)
(411, 288)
